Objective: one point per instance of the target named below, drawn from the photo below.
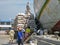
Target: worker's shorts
(11, 37)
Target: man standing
(27, 32)
(11, 36)
(20, 36)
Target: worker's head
(19, 28)
(28, 27)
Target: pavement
(47, 40)
(4, 40)
(42, 41)
(50, 37)
(36, 40)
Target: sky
(10, 8)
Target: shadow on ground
(9, 44)
(6, 44)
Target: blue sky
(10, 8)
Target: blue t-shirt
(20, 35)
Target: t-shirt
(20, 35)
(11, 33)
(27, 30)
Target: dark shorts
(20, 41)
